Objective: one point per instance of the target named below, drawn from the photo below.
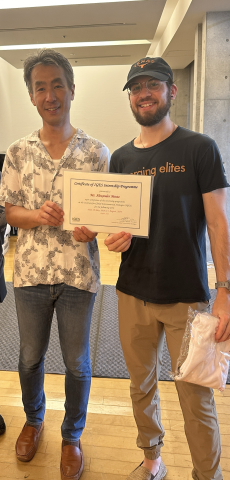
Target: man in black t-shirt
(2, 281)
(160, 277)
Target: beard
(149, 119)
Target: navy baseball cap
(154, 67)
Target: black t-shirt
(170, 266)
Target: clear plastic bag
(202, 360)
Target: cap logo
(143, 63)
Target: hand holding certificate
(107, 203)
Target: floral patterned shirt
(44, 254)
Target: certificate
(107, 202)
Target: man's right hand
(49, 214)
(118, 242)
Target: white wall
(5, 105)
(18, 117)
(100, 107)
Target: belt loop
(144, 304)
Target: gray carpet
(106, 354)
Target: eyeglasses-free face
(152, 85)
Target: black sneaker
(2, 425)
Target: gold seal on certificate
(107, 202)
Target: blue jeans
(35, 307)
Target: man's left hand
(221, 309)
(83, 234)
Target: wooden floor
(109, 438)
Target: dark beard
(151, 119)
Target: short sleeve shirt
(45, 254)
(170, 266)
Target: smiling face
(51, 94)
(150, 107)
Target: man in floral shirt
(54, 268)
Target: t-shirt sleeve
(114, 167)
(104, 160)
(10, 190)
(2, 218)
(211, 173)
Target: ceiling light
(35, 46)
(50, 3)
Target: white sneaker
(142, 473)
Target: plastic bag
(202, 360)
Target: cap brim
(151, 73)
